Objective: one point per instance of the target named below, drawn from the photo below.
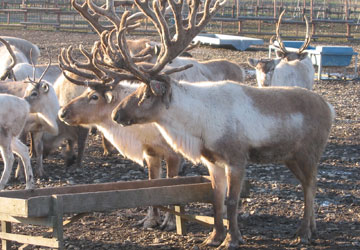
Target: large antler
(92, 13)
(108, 11)
(307, 37)
(9, 71)
(94, 73)
(280, 41)
(171, 47)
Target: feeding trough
(324, 56)
(228, 41)
(46, 206)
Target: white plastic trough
(236, 42)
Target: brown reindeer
(259, 125)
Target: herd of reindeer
(153, 102)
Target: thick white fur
(13, 113)
(230, 110)
(43, 111)
(24, 70)
(21, 49)
(294, 73)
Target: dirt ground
(268, 219)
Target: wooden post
(275, 14)
(237, 8)
(180, 222)
(58, 230)
(312, 17)
(240, 27)
(348, 28)
(6, 228)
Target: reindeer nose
(115, 116)
(63, 113)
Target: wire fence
(336, 19)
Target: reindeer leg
(218, 182)
(38, 146)
(153, 162)
(22, 151)
(19, 173)
(235, 176)
(173, 164)
(305, 171)
(107, 146)
(8, 159)
(82, 136)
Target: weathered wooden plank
(16, 207)
(180, 222)
(6, 228)
(27, 239)
(102, 201)
(87, 188)
(40, 221)
(206, 221)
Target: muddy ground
(268, 218)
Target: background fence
(335, 19)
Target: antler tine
(278, 37)
(86, 83)
(32, 63)
(127, 60)
(173, 46)
(47, 68)
(108, 11)
(93, 19)
(65, 65)
(89, 65)
(307, 37)
(13, 58)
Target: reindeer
(43, 106)
(23, 52)
(259, 125)
(290, 68)
(14, 113)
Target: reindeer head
(265, 67)
(38, 89)
(155, 94)
(283, 53)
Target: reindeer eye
(94, 97)
(34, 94)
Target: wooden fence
(339, 19)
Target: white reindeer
(14, 113)
(290, 69)
(225, 125)
(43, 106)
(24, 52)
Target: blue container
(331, 56)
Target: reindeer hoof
(148, 222)
(232, 242)
(169, 223)
(214, 239)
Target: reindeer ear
(280, 54)
(157, 87)
(157, 49)
(109, 96)
(252, 62)
(45, 87)
(303, 55)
